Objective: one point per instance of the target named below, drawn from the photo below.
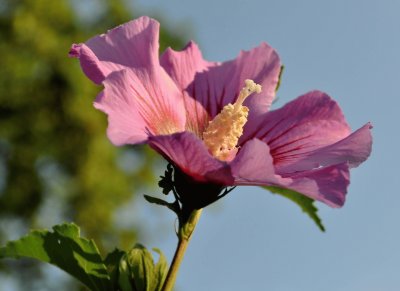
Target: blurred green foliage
(54, 154)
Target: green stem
(184, 234)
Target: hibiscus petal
(328, 185)
(133, 44)
(140, 102)
(254, 165)
(221, 84)
(189, 153)
(353, 149)
(305, 124)
(182, 67)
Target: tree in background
(54, 156)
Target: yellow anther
(223, 132)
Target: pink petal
(189, 153)
(133, 44)
(214, 85)
(328, 185)
(209, 86)
(140, 102)
(182, 66)
(222, 84)
(310, 122)
(354, 149)
(254, 165)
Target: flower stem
(184, 234)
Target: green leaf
(306, 204)
(138, 272)
(125, 278)
(141, 262)
(113, 258)
(112, 262)
(65, 249)
(280, 78)
(160, 270)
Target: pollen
(223, 132)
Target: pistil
(223, 132)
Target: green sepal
(137, 271)
(306, 204)
(173, 206)
(65, 249)
(166, 181)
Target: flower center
(223, 132)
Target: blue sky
(252, 240)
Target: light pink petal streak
(140, 102)
(182, 66)
(188, 152)
(133, 44)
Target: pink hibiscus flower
(212, 120)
